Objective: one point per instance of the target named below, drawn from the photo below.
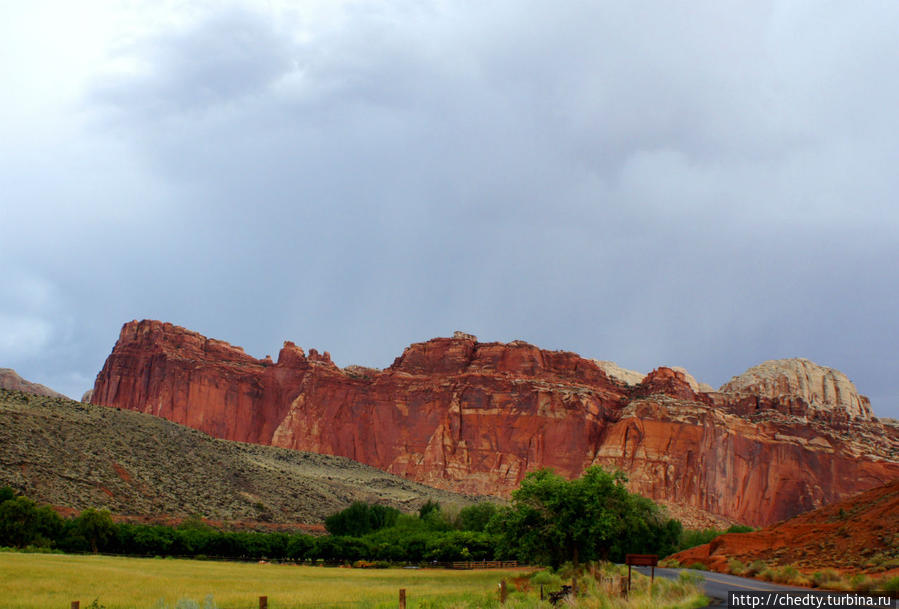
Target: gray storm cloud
(709, 187)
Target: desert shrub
(687, 578)
(785, 574)
(754, 568)
(698, 566)
(735, 567)
(826, 577)
(891, 585)
(768, 574)
(861, 583)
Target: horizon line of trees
(550, 520)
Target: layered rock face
(476, 417)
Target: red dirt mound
(859, 535)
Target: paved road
(717, 585)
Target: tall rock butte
(476, 417)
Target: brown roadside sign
(641, 560)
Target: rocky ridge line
(476, 417)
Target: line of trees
(550, 520)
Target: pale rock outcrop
(821, 387)
(628, 377)
(10, 379)
(694, 384)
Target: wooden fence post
(76, 604)
(402, 598)
(263, 602)
(502, 592)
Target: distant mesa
(9, 379)
(474, 417)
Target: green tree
(553, 520)
(476, 517)
(360, 519)
(428, 508)
(23, 523)
(97, 527)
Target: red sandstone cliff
(475, 417)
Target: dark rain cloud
(708, 188)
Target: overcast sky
(704, 184)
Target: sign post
(641, 560)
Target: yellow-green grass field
(48, 581)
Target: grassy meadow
(47, 581)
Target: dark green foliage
(690, 538)
(24, 523)
(6, 493)
(299, 547)
(476, 517)
(553, 520)
(360, 519)
(428, 508)
(97, 527)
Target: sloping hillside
(76, 455)
(860, 534)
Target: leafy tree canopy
(553, 520)
(360, 519)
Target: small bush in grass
(768, 574)
(736, 567)
(891, 585)
(670, 563)
(698, 566)
(861, 583)
(546, 579)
